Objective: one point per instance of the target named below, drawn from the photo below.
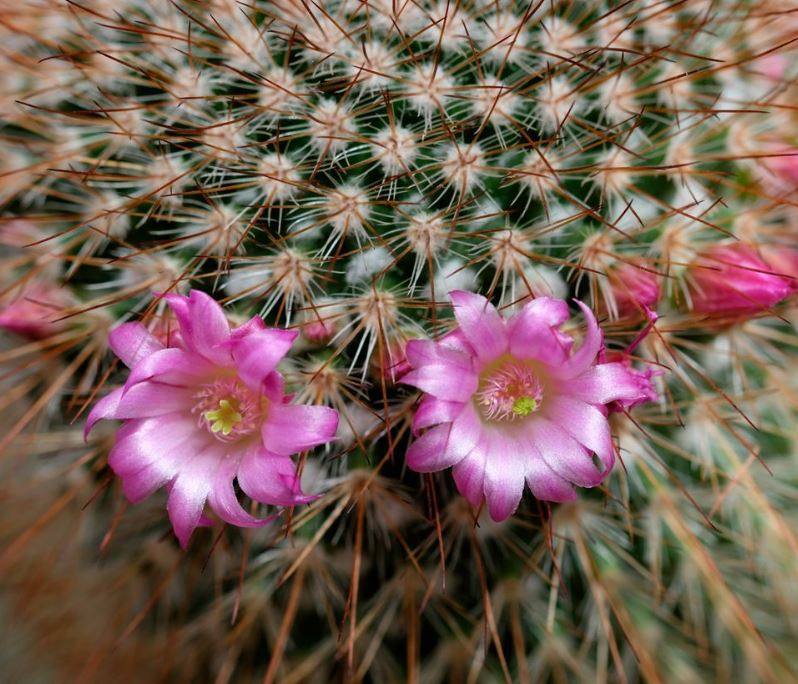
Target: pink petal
(143, 400)
(257, 354)
(504, 475)
(132, 342)
(545, 484)
(444, 381)
(274, 387)
(481, 324)
(223, 501)
(456, 341)
(533, 331)
(103, 409)
(469, 474)
(434, 450)
(149, 453)
(167, 441)
(141, 484)
(562, 453)
(147, 399)
(608, 382)
(583, 357)
(253, 325)
(191, 488)
(203, 325)
(170, 366)
(586, 423)
(432, 411)
(291, 428)
(270, 479)
(426, 352)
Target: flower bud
(733, 279)
(635, 288)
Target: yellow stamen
(223, 419)
(523, 406)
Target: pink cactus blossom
(508, 401)
(206, 410)
(635, 287)
(733, 280)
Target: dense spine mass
(339, 168)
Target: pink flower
(732, 279)
(36, 312)
(635, 288)
(208, 409)
(509, 401)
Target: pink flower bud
(318, 332)
(773, 66)
(784, 261)
(784, 165)
(35, 313)
(635, 288)
(393, 364)
(733, 279)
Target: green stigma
(223, 419)
(523, 406)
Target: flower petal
(545, 484)
(257, 354)
(203, 325)
(223, 501)
(562, 453)
(469, 473)
(170, 366)
(456, 341)
(290, 428)
(433, 451)
(432, 411)
(165, 441)
(426, 352)
(586, 423)
(481, 324)
(583, 357)
(144, 482)
(533, 331)
(608, 382)
(504, 475)
(443, 381)
(143, 400)
(103, 409)
(270, 479)
(191, 488)
(132, 342)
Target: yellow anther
(223, 419)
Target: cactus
(360, 173)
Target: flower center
(228, 409)
(509, 391)
(225, 418)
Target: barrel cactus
(399, 340)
